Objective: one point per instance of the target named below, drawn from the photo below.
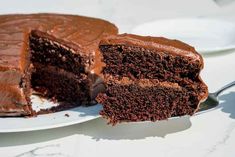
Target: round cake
(57, 51)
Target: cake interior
(48, 50)
(59, 84)
(160, 84)
(139, 62)
(144, 99)
(58, 72)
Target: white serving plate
(83, 114)
(54, 120)
(207, 35)
(48, 121)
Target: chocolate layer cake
(149, 78)
(58, 50)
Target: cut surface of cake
(149, 78)
(57, 51)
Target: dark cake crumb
(149, 79)
(60, 85)
(49, 52)
(144, 102)
(143, 63)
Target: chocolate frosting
(175, 47)
(78, 32)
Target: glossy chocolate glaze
(76, 32)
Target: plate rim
(202, 50)
(50, 116)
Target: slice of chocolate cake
(58, 49)
(149, 78)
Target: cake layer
(143, 63)
(127, 55)
(47, 50)
(60, 85)
(174, 47)
(144, 100)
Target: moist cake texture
(149, 78)
(58, 50)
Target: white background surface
(219, 36)
(207, 135)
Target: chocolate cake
(72, 59)
(149, 78)
(57, 52)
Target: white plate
(76, 115)
(205, 34)
(47, 121)
(53, 120)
